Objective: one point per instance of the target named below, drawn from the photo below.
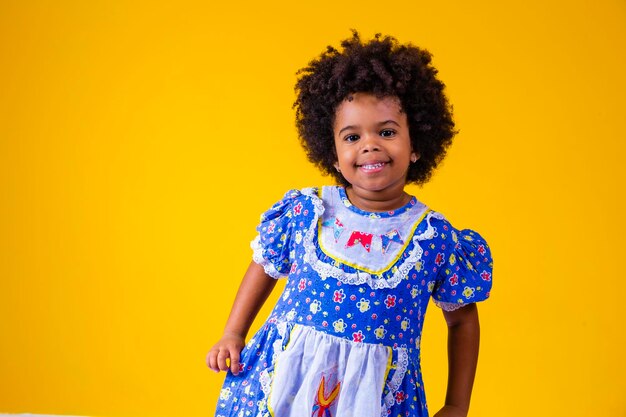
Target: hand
(451, 411)
(228, 347)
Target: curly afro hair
(382, 67)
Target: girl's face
(373, 146)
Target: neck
(373, 201)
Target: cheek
(340, 154)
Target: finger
(212, 361)
(234, 362)
(221, 359)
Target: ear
(336, 165)
(414, 157)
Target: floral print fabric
(359, 278)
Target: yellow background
(140, 141)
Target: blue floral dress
(344, 337)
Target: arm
(463, 341)
(255, 287)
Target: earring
(413, 158)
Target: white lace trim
(449, 306)
(401, 365)
(258, 248)
(266, 376)
(266, 382)
(326, 270)
(257, 257)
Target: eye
(388, 133)
(351, 138)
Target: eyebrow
(379, 124)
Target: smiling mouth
(372, 167)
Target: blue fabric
(386, 307)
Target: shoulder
(296, 202)
(444, 229)
(468, 245)
(441, 225)
(449, 238)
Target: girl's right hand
(228, 347)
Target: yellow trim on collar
(361, 268)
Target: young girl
(362, 258)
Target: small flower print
(380, 332)
(440, 259)
(315, 306)
(363, 305)
(452, 259)
(390, 301)
(358, 337)
(431, 286)
(302, 285)
(481, 249)
(339, 326)
(297, 209)
(339, 296)
(468, 292)
(291, 314)
(454, 279)
(486, 276)
(225, 394)
(405, 324)
(401, 396)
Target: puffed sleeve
(465, 267)
(273, 246)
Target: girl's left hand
(451, 411)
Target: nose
(369, 143)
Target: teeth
(372, 166)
